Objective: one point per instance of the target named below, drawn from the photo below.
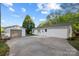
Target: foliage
(28, 24)
(42, 24)
(4, 49)
(1, 29)
(68, 17)
(76, 26)
(74, 42)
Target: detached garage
(58, 31)
(14, 31)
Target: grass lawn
(74, 43)
(4, 49)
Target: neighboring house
(14, 31)
(59, 31)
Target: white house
(59, 31)
(14, 31)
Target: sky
(14, 13)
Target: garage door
(15, 33)
(59, 33)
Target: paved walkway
(40, 46)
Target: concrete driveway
(40, 46)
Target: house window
(45, 30)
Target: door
(15, 33)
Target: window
(45, 30)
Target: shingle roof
(65, 25)
(12, 26)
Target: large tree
(28, 24)
(69, 17)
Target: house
(14, 31)
(58, 31)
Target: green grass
(74, 42)
(4, 49)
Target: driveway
(40, 46)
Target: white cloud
(5, 24)
(41, 19)
(15, 15)
(54, 6)
(2, 21)
(11, 9)
(23, 9)
(44, 12)
(33, 18)
(46, 8)
(8, 4)
(39, 6)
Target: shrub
(75, 43)
(71, 38)
(1, 29)
(75, 26)
(4, 49)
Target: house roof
(12, 26)
(65, 25)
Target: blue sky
(14, 13)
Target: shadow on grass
(74, 41)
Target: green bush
(71, 38)
(74, 42)
(4, 49)
(1, 29)
(75, 26)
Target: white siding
(60, 33)
(35, 31)
(55, 32)
(23, 32)
(7, 31)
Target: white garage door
(59, 33)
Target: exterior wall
(70, 31)
(60, 33)
(7, 31)
(23, 32)
(55, 32)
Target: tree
(76, 26)
(1, 31)
(28, 24)
(68, 17)
(42, 24)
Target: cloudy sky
(14, 14)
